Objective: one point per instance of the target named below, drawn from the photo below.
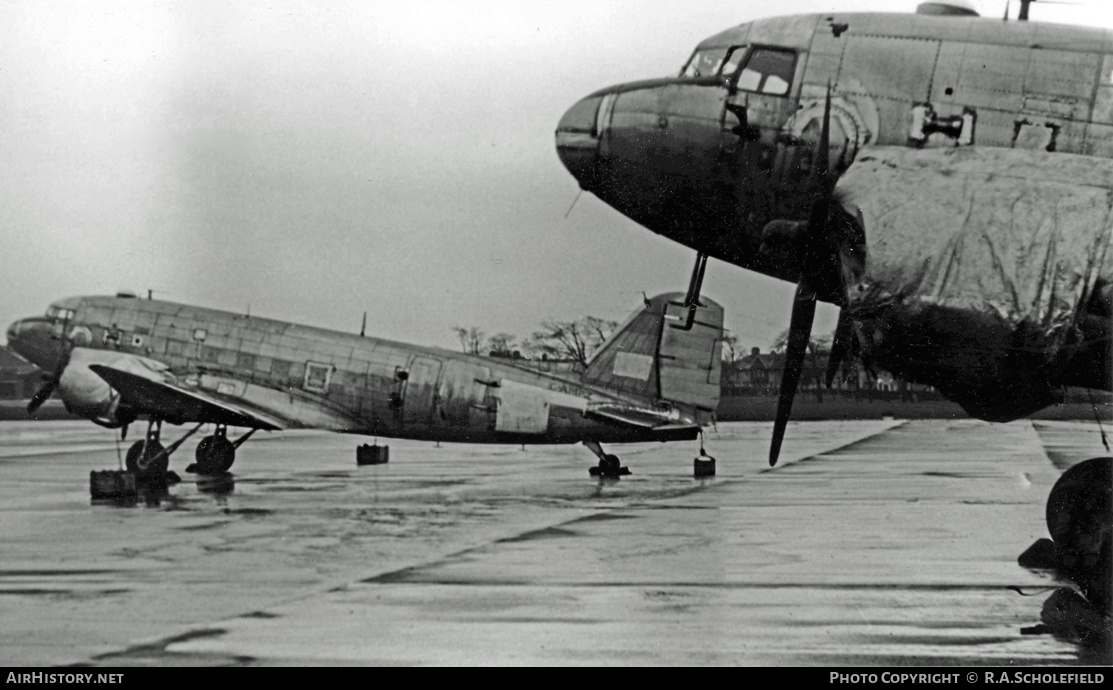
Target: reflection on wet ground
(872, 543)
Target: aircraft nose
(13, 331)
(33, 339)
(577, 138)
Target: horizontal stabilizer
(178, 405)
(637, 417)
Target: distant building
(18, 379)
(759, 374)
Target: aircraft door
(419, 396)
(462, 393)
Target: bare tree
(816, 345)
(471, 339)
(502, 343)
(732, 352)
(576, 340)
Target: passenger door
(419, 396)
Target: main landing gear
(215, 454)
(149, 459)
(609, 467)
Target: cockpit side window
(704, 63)
(734, 58)
(768, 71)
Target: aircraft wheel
(215, 455)
(1080, 520)
(610, 465)
(147, 462)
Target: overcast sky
(311, 161)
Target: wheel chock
(372, 455)
(112, 484)
(703, 466)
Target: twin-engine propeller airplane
(117, 359)
(943, 178)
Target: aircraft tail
(664, 352)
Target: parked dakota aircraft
(116, 359)
(943, 178)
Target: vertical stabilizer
(664, 352)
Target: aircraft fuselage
(711, 157)
(315, 378)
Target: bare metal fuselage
(315, 378)
(708, 163)
(721, 158)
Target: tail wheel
(1080, 520)
(610, 465)
(147, 459)
(215, 455)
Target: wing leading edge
(177, 405)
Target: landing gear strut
(609, 467)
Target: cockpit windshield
(56, 313)
(704, 63)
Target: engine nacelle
(86, 394)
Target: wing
(176, 404)
(984, 273)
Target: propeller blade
(41, 395)
(799, 333)
(815, 251)
(822, 163)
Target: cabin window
(317, 376)
(704, 63)
(210, 354)
(199, 334)
(280, 369)
(767, 70)
(245, 360)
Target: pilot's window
(768, 71)
(734, 58)
(59, 314)
(705, 63)
(317, 376)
